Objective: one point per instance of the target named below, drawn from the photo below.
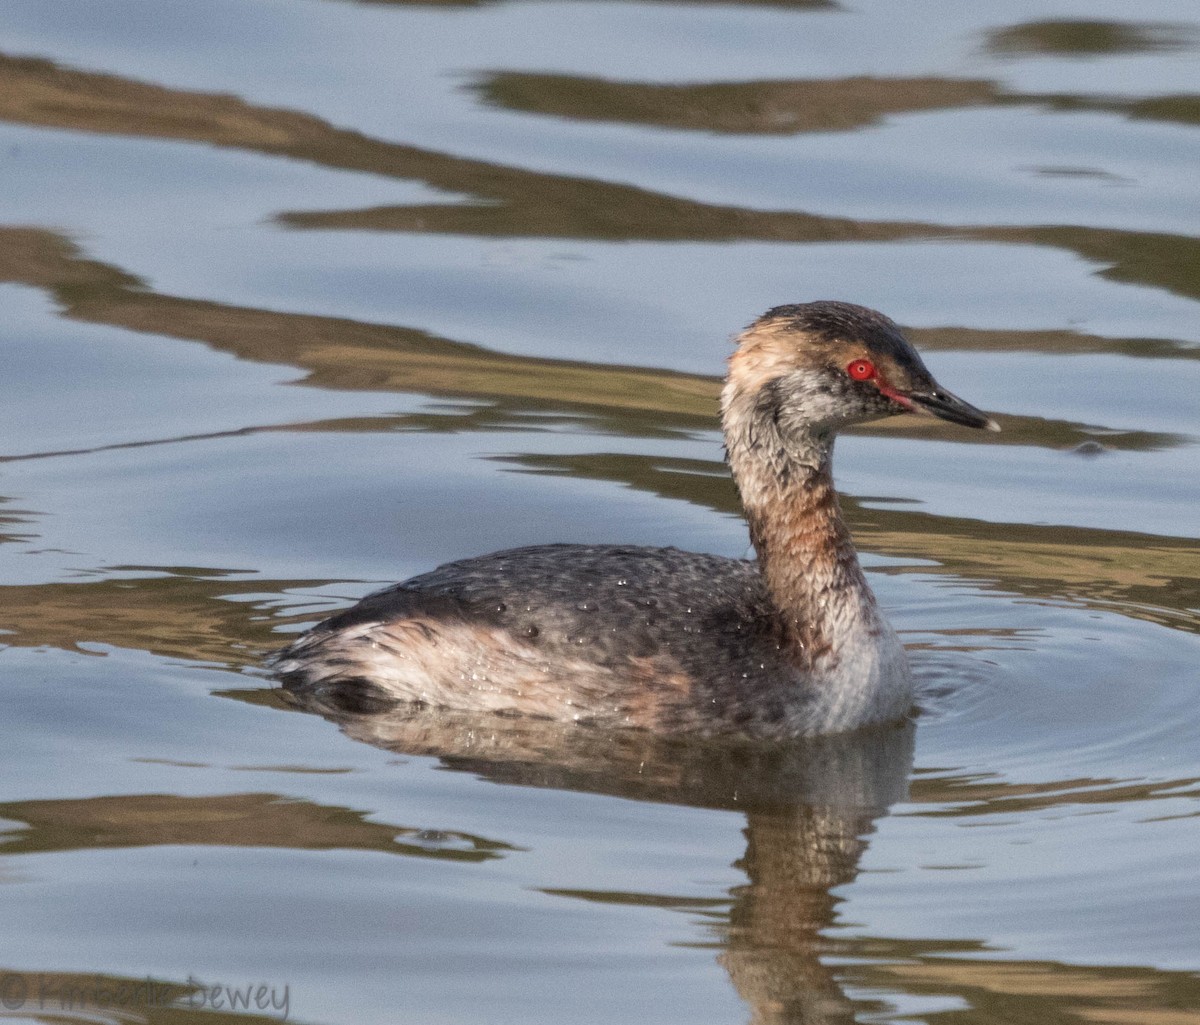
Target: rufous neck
(804, 548)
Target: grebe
(672, 641)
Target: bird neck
(804, 548)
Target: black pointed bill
(940, 403)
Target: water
(300, 298)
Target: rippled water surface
(302, 296)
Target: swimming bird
(790, 644)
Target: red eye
(861, 370)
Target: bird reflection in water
(810, 806)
